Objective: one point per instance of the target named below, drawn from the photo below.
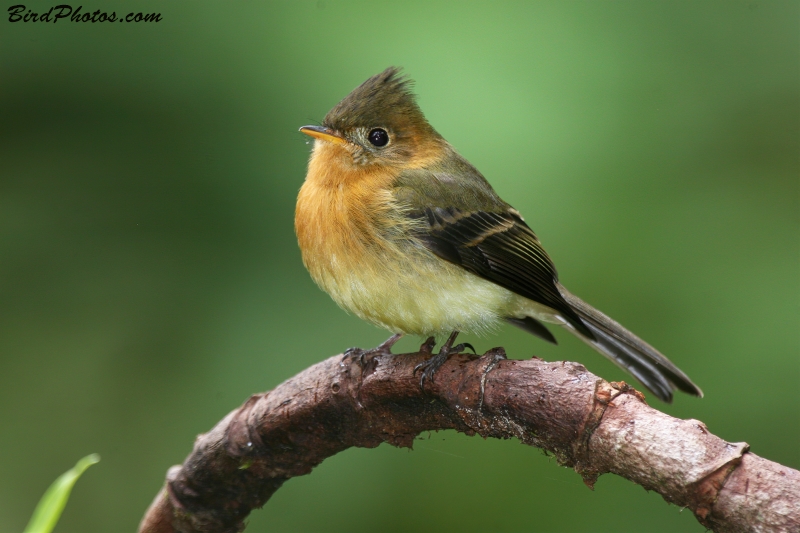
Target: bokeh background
(150, 278)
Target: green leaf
(48, 511)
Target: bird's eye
(378, 137)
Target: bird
(402, 231)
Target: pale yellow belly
(423, 295)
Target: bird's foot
(366, 356)
(430, 366)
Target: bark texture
(587, 423)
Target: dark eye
(378, 137)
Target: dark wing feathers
(498, 247)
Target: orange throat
(338, 211)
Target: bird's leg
(384, 348)
(430, 366)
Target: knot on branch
(604, 393)
(707, 489)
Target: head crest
(383, 100)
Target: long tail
(629, 352)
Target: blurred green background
(150, 278)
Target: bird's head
(378, 123)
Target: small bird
(405, 233)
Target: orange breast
(341, 212)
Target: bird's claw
(430, 366)
(460, 348)
(358, 353)
(352, 351)
(365, 356)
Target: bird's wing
(500, 247)
(462, 220)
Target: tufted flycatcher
(405, 233)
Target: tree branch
(587, 423)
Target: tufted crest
(384, 100)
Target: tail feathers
(534, 327)
(631, 353)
